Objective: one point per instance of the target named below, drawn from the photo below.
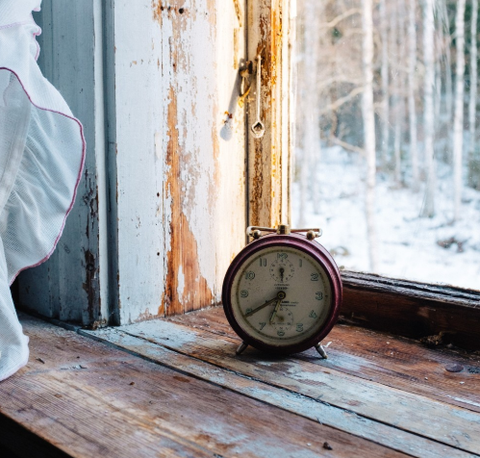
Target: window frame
(437, 314)
(407, 308)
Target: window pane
(387, 154)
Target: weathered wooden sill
(175, 388)
(412, 309)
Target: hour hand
(278, 298)
(275, 310)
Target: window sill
(413, 310)
(175, 388)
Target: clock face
(281, 296)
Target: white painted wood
(71, 286)
(162, 209)
(179, 153)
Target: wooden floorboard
(314, 409)
(386, 411)
(389, 360)
(88, 399)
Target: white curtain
(42, 152)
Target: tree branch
(341, 101)
(334, 22)
(347, 146)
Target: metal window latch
(246, 71)
(258, 128)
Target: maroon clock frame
(311, 248)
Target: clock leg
(241, 348)
(321, 350)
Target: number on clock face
(280, 295)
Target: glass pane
(387, 154)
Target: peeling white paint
(181, 283)
(158, 145)
(180, 65)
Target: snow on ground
(408, 246)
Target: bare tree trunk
(442, 127)
(399, 40)
(369, 129)
(473, 163)
(428, 52)
(459, 105)
(384, 24)
(443, 14)
(312, 145)
(412, 112)
(299, 157)
(398, 140)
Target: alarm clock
(282, 293)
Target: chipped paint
(269, 157)
(180, 283)
(91, 287)
(238, 11)
(189, 172)
(181, 183)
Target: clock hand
(275, 310)
(278, 298)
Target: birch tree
(312, 140)
(385, 109)
(309, 91)
(369, 127)
(473, 163)
(428, 103)
(398, 37)
(459, 105)
(412, 68)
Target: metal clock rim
(306, 246)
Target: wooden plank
(392, 361)
(452, 425)
(412, 309)
(89, 399)
(323, 413)
(269, 156)
(181, 134)
(72, 285)
(333, 402)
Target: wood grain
(89, 399)
(71, 285)
(374, 401)
(412, 309)
(273, 392)
(399, 363)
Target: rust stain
(91, 287)
(265, 183)
(157, 8)
(238, 12)
(145, 316)
(256, 191)
(183, 251)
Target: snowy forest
(387, 148)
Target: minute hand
(280, 296)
